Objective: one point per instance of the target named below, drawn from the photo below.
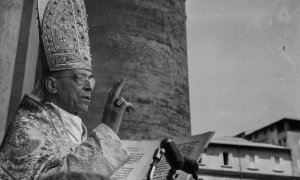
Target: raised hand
(115, 107)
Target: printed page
(192, 147)
(141, 153)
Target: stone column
(145, 42)
(10, 19)
(26, 56)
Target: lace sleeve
(101, 153)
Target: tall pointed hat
(64, 34)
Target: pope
(47, 136)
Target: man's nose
(89, 85)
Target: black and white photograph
(149, 89)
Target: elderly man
(46, 135)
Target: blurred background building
(271, 152)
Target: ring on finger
(118, 102)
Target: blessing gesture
(115, 107)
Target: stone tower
(145, 42)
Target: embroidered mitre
(64, 34)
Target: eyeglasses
(79, 78)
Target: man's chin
(83, 109)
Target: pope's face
(74, 88)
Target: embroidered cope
(44, 139)
(75, 128)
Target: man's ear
(50, 85)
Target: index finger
(116, 90)
(119, 87)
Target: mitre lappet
(64, 32)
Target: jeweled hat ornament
(64, 32)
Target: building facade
(270, 152)
(285, 133)
(237, 158)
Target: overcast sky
(244, 63)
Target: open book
(141, 153)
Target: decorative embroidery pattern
(36, 144)
(65, 35)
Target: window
(277, 161)
(284, 140)
(202, 160)
(278, 164)
(226, 159)
(251, 158)
(252, 162)
(265, 131)
(272, 129)
(280, 127)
